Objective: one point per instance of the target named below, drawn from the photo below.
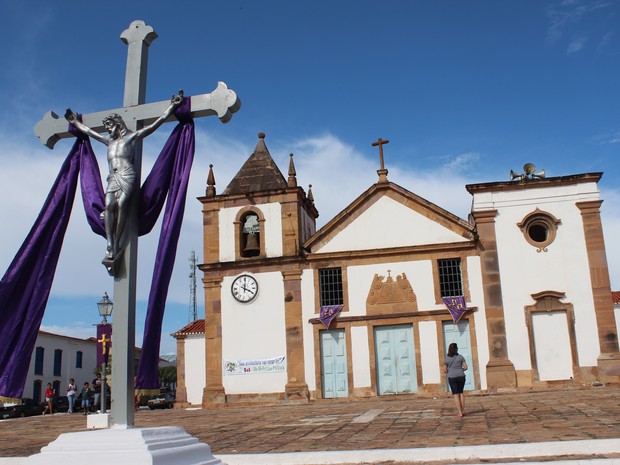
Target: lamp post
(105, 307)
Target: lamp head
(105, 306)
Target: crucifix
(382, 172)
(222, 102)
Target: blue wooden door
(334, 373)
(395, 358)
(459, 333)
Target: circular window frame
(538, 219)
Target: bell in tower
(251, 235)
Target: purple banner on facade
(328, 313)
(104, 342)
(457, 306)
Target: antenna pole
(192, 286)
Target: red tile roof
(615, 296)
(195, 327)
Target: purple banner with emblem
(328, 313)
(457, 306)
(104, 342)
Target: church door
(334, 373)
(395, 355)
(553, 354)
(459, 333)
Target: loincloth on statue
(124, 181)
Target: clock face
(244, 288)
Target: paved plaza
(401, 422)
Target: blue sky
(464, 90)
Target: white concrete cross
(222, 102)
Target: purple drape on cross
(25, 288)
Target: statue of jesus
(122, 178)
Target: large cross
(382, 172)
(136, 113)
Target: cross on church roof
(382, 172)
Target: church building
(368, 304)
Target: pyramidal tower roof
(258, 173)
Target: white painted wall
(429, 353)
(272, 213)
(195, 367)
(308, 311)
(524, 271)
(69, 346)
(255, 330)
(617, 315)
(476, 293)
(388, 223)
(360, 356)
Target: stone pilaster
(211, 232)
(500, 370)
(296, 388)
(609, 359)
(213, 392)
(181, 393)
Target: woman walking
(49, 395)
(455, 366)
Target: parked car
(27, 408)
(59, 404)
(162, 401)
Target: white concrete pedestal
(165, 445)
(98, 421)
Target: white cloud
(566, 14)
(607, 137)
(80, 332)
(576, 45)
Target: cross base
(165, 445)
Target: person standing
(71, 390)
(49, 395)
(455, 366)
(85, 398)
(97, 391)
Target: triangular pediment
(389, 216)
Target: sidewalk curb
(589, 448)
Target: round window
(538, 232)
(539, 229)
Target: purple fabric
(183, 156)
(103, 329)
(328, 313)
(25, 287)
(456, 306)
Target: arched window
(250, 245)
(539, 228)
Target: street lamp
(105, 307)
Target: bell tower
(256, 226)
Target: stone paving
(377, 423)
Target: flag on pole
(457, 306)
(104, 342)
(328, 313)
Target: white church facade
(529, 262)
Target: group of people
(72, 395)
